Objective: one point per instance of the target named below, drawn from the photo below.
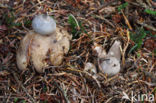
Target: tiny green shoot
(23, 101)
(76, 26)
(151, 12)
(122, 6)
(15, 100)
(10, 21)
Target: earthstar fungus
(108, 63)
(44, 46)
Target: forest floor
(133, 22)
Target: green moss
(76, 26)
(137, 38)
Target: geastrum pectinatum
(44, 46)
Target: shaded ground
(132, 22)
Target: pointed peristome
(114, 51)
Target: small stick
(24, 89)
(63, 92)
(126, 20)
(85, 74)
(39, 3)
(125, 48)
(106, 20)
(147, 26)
(104, 5)
(149, 84)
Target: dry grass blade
(125, 48)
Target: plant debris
(90, 22)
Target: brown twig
(85, 75)
(147, 26)
(106, 20)
(126, 20)
(125, 48)
(104, 5)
